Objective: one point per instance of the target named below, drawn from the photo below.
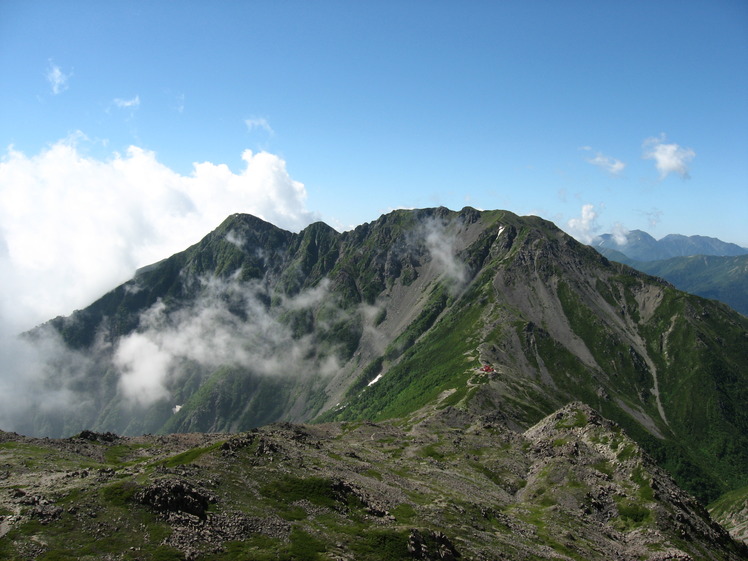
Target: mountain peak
(485, 311)
(641, 246)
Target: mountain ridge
(254, 324)
(723, 278)
(440, 484)
(641, 246)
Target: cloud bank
(73, 226)
(669, 158)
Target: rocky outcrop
(175, 496)
(433, 546)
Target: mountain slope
(556, 322)
(719, 278)
(487, 311)
(438, 485)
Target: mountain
(731, 511)
(487, 312)
(641, 246)
(719, 278)
(700, 265)
(637, 245)
(440, 484)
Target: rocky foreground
(440, 485)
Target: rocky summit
(440, 484)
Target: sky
(129, 130)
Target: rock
(434, 546)
(45, 513)
(175, 496)
(236, 443)
(97, 436)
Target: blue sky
(600, 116)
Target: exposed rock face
(96, 436)
(440, 485)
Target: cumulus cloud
(584, 227)
(613, 166)
(57, 79)
(73, 226)
(669, 158)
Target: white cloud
(73, 226)
(585, 227)
(669, 158)
(613, 166)
(210, 334)
(441, 246)
(133, 103)
(57, 79)
(620, 233)
(144, 367)
(258, 123)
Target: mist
(440, 244)
(49, 389)
(74, 226)
(40, 377)
(230, 323)
(251, 327)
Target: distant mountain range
(700, 265)
(641, 246)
